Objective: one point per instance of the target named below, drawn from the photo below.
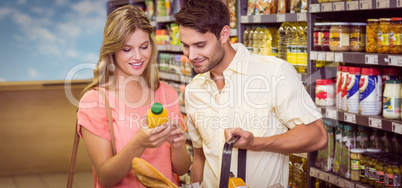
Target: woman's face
(134, 57)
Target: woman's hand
(177, 137)
(153, 138)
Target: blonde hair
(120, 25)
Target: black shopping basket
(227, 158)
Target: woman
(127, 73)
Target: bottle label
(379, 176)
(389, 179)
(370, 95)
(353, 93)
(397, 180)
(362, 170)
(355, 164)
(391, 105)
(372, 174)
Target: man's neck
(217, 72)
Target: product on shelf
(325, 92)
(344, 87)
(393, 175)
(355, 157)
(362, 137)
(282, 43)
(371, 35)
(392, 99)
(375, 139)
(370, 92)
(300, 173)
(251, 7)
(149, 9)
(174, 30)
(348, 143)
(395, 32)
(338, 87)
(338, 148)
(283, 6)
(328, 162)
(317, 36)
(339, 37)
(383, 35)
(353, 89)
(231, 4)
(358, 37)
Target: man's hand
(246, 138)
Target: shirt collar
(238, 65)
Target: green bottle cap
(157, 108)
(348, 128)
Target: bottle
(157, 115)
(338, 148)
(362, 138)
(347, 144)
(291, 183)
(236, 182)
(329, 155)
(370, 92)
(256, 40)
(283, 40)
(250, 39)
(375, 139)
(344, 88)
(339, 76)
(245, 36)
(392, 99)
(182, 89)
(353, 89)
(301, 174)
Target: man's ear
(224, 35)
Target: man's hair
(204, 16)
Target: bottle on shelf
(283, 40)
(338, 148)
(348, 142)
(328, 159)
(245, 36)
(362, 138)
(301, 174)
(256, 40)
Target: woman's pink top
(126, 121)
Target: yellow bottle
(157, 115)
(235, 182)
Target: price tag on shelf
(280, 18)
(302, 17)
(351, 118)
(399, 3)
(333, 114)
(394, 60)
(315, 8)
(329, 56)
(324, 176)
(374, 122)
(352, 5)
(244, 19)
(313, 55)
(348, 184)
(382, 3)
(339, 6)
(366, 4)
(397, 128)
(333, 179)
(341, 182)
(314, 172)
(371, 59)
(361, 186)
(338, 57)
(321, 56)
(326, 7)
(257, 19)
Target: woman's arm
(112, 169)
(180, 158)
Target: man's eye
(200, 45)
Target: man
(257, 97)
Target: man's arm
(302, 138)
(197, 169)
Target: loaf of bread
(148, 176)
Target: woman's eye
(126, 49)
(144, 47)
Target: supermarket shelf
(170, 48)
(336, 180)
(302, 155)
(165, 19)
(274, 18)
(378, 122)
(175, 77)
(358, 58)
(355, 5)
(233, 32)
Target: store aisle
(81, 180)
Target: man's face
(205, 51)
